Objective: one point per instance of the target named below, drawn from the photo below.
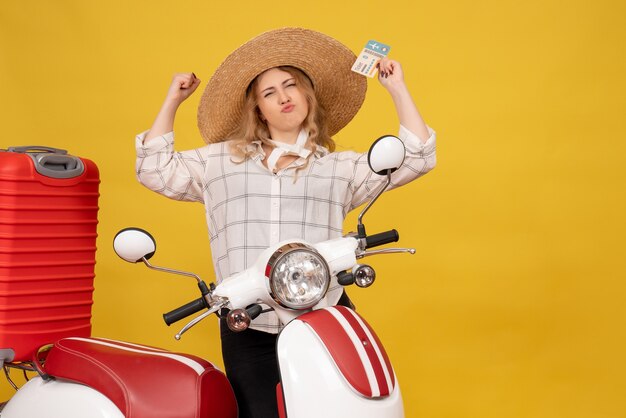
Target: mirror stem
(166, 270)
(360, 226)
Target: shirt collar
(257, 150)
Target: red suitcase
(48, 221)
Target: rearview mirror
(386, 153)
(385, 156)
(134, 244)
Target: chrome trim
(376, 196)
(385, 251)
(167, 270)
(364, 270)
(197, 319)
(242, 312)
(208, 297)
(277, 256)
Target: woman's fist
(390, 74)
(183, 85)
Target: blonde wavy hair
(253, 128)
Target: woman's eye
(268, 94)
(291, 85)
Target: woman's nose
(283, 97)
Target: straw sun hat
(325, 60)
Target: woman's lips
(288, 108)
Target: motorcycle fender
(314, 386)
(59, 398)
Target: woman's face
(282, 103)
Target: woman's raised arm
(391, 77)
(183, 85)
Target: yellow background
(513, 306)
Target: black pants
(252, 368)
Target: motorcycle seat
(142, 381)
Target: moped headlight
(298, 276)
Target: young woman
(269, 171)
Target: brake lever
(385, 251)
(199, 318)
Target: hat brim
(325, 60)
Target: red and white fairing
(332, 364)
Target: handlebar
(382, 238)
(184, 311)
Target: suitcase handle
(58, 166)
(37, 148)
(52, 162)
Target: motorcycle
(331, 362)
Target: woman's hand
(390, 74)
(183, 85)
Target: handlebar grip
(254, 310)
(184, 311)
(382, 238)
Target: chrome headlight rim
(275, 260)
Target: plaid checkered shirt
(248, 207)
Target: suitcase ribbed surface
(48, 230)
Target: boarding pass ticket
(373, 52)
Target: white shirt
(249, 208)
